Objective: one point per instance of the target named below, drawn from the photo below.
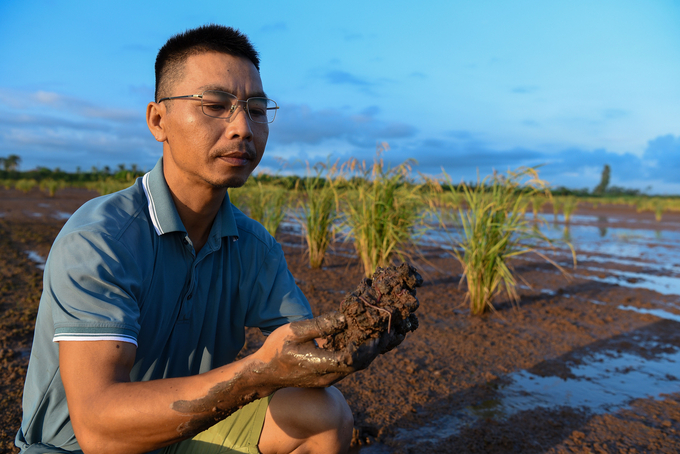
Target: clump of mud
(384, 302)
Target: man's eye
(257, 112)
(215, 107)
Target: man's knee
(320, 419)
(312, 411)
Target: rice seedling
(50, 186)
(494, 230)
(556, 208)
(659, 205)
(108, 185)
(569, 205)
(318, 210)
(238, 196)
(537, 203)
(267, 205)
(381, 210)
(25, 185)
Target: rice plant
(556, 208)
(381, 210)
(50, 186)
(494, 230)
(267, 205)
(659, 205)
(25, 185)
(238, 196)
(537, 203)
(108, 185)
(318, 211)
(569, 205)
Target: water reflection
(602, 225)
(601, 382)
(566, 233)
(37, 258)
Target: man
(147, 293)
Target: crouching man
(147, 293)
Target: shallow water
(61, 215)
(604, 382)
(37, 258)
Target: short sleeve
(92, 282)
(277, 299)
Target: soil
(384, 302)
(454, 367)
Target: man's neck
(197, 206)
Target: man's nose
(239, 122)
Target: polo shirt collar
(164, 215)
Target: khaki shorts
(239, 433)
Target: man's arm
(110, 414)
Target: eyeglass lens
(221, 104)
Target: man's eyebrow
(255, 94)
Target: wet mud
(385, 302)
(587, 364)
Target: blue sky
(458, 85)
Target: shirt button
(189, 296)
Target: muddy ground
(453, 368)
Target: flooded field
(587, 364)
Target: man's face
(204, 150)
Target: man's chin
(231, 182)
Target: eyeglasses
(220, 104)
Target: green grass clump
(494, 230)
(380, 211)
(318, 208)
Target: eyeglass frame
(233, 108)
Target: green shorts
(239, 433)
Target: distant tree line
(603, 189)
(9, 170)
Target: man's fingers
(323, 361)
(366, 353)
(321, 326)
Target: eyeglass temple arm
(178, 97)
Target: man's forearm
(130, 417)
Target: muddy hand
(290, 356)
(389, 340)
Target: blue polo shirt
(124, 269)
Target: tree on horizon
(601, 188)
(11, 162)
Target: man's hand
(290, 356)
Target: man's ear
(155, 116)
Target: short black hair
(207, 38)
